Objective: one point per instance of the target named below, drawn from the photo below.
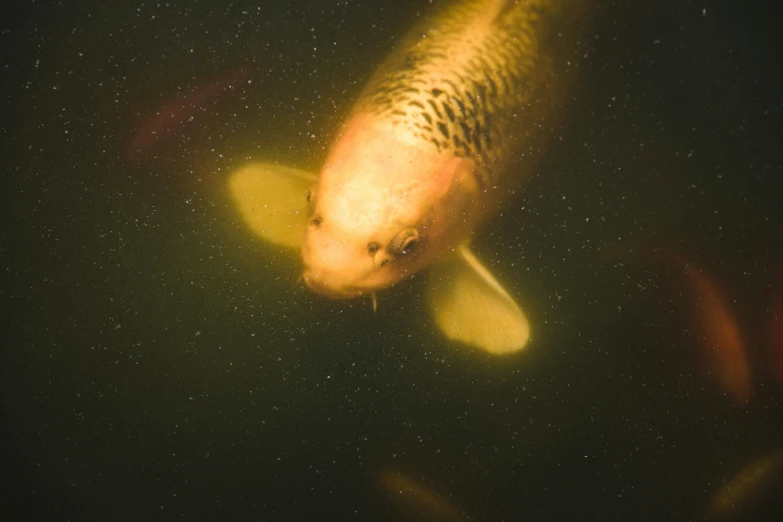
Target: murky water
(159, 362)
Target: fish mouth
(319, 286)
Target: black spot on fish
(415, 103)
(465, 130)
(435, 108)
(492, 86)
(427, 117)
(476, 141)
(461, 106)
(448, 111)
(397, 112)
(436, 92)
(443, 130)
(472, 100)
(487, 130)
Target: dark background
(159, 363)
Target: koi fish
(444, 131)
(416, 501)
(722, 340)
(175, 114)
(756, 483)
(714, 322)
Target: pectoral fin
(470, 306)
(272, 200)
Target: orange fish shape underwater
(443, 133)
(415, 501)
(757, 484)
(715, 324)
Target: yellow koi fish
(445, 130)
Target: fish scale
(473, 105)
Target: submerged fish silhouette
(754, 486)
(722, 341)
(720, 337)
(414, 500)
(443, 132)
(175, 114)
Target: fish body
(413, 500)
(744, 496)
(715, 325)
(449, 124)
(722, 340)
(428, 149)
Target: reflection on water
(161, 362)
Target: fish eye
(316, 221)
(372, 248)
(384, 262)
(405, 242)
(409, 245)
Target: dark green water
(159, 363)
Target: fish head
(385, 206)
